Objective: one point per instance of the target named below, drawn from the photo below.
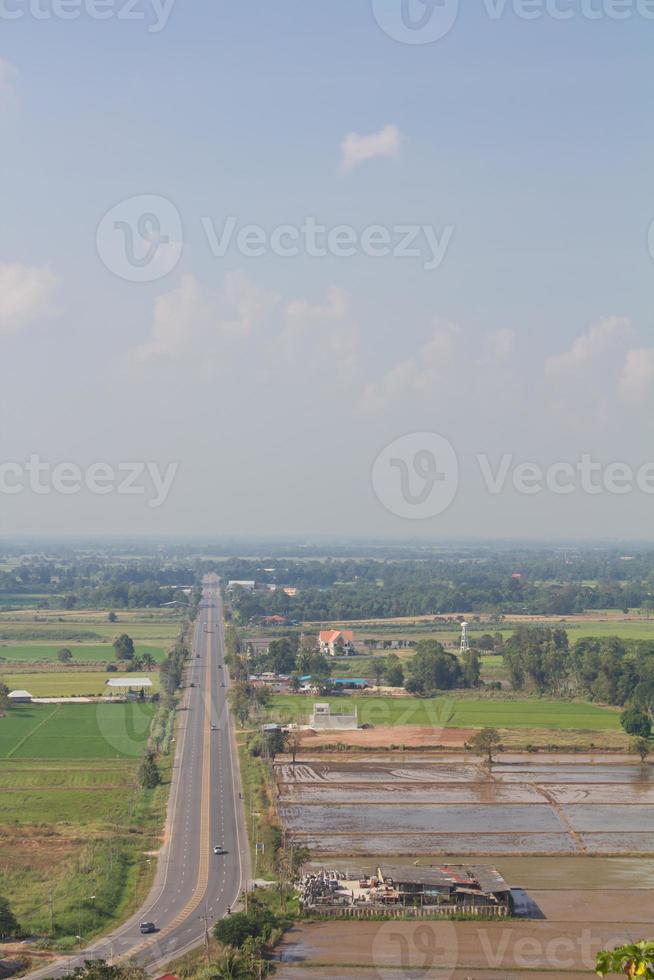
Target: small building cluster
(447, 889)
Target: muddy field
(586, 903)
(558, 828)
(448, 806)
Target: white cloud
(357, 149)
(188, 321)
(599, 340)
(178, 316)
(322, 331)
(637, 378)
(7, 77)
(426, 374)
(25, 293)
(499, 346)
(248, 303)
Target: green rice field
(75, 731)
(458, 712)
(84, 653)
(67, 683)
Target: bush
(636, 722)
(235, 929)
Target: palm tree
(230, 966)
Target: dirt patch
(34, 853)
(411, 736)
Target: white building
(323, 718)
(337, 643)
(20, 697)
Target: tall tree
(124, 647)
(5, 703)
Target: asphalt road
(193, 887)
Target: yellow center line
(205, 818)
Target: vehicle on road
(147, 927)
(214, 728)
(219, 849)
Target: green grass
(458, 712)
(82, 652)
(67, 844)
(75, 731)
(67, 683)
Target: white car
(219, 849)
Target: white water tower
(465, 642)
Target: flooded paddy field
(446, 805)
(562, 830)
(470, 845)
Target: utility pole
(206, 933)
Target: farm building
(449, 889)
(323, 718)
(133, 687)
(20, 697)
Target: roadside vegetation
(83, 794)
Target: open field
(75, 731)
(438, 805)
(74, 822)
(84, 653)
(67, 835)
(67, 683)
(147, 627)
(456, 712)
(561, 949)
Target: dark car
(147, 927)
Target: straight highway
(193, 887)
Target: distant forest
(502, 582)
(383, 582)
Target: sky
(358, 268)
